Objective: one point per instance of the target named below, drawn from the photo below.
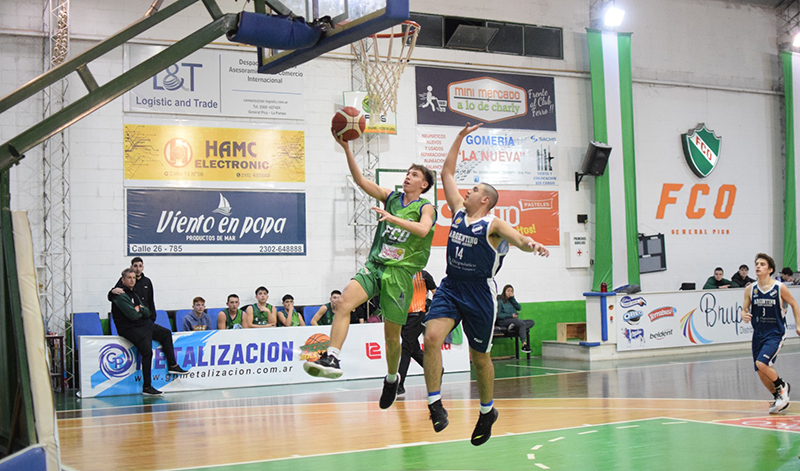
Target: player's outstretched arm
(502, 229)
(788, 297)
(370, 187)
(419, 229)
(454, 199)
(746, 316)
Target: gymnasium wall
(715, 63)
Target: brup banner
(451, 97)
(239, 358)
(196, 222)
(684, 319)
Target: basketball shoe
(483, 429)
(389, 393)
(438, 416)
(326, 366)
(782, 398)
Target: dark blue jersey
(470, 254)
(766, 308)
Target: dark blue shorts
(474, 303)
(766, 349)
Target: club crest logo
(701, 149)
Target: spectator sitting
(289, 316)
(740, 278)
(325, 314)
(260, 314)
(198, 319)
(789, 277)
(507, 316)
(717, 281)
(232, 317)
(132, 319)
(364, 311)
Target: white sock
(334, 352)
(485, 409)
(434, 396)
(391, 378)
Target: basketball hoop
(381, 69)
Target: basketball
(317, 338)
(348, 123)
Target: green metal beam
(53, 75)
(12, 151)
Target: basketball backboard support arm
(98, 96)
(342, 34)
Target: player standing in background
(401, 248)
(476, 245)
(763, 307)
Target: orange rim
(413, 27)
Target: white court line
(547, 368)
(531, 456)
(404, 445)
(536, 447)
(674, 423)
(556, 439)
(590, 431)
(541, 466)
(629, 426)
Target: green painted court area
(653, 444)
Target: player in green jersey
(261, 313)
(401, 248)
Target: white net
(382, 58)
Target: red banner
(531, 213)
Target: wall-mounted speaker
(596, 159)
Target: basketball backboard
(352, 20)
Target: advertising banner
(452, 97)
(194, 222)
(531, 213)
(495, 156)
(386, 122)
(684, 319)
(187, 154)
(110, 366)
(212, 82)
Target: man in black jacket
(143, 287)
(133, 322)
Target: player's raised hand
(339, 139)
(538, 248)
(468, 129)
(382, 212)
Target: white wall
(682, 42)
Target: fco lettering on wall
(701, 149)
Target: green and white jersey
(236, 322)
(395, 246)
(261, 317)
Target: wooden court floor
(697, 412)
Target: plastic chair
(162, 319)
(112, 325)
(309, 312)
(85, 323)
(180, 314)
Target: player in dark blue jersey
(763, 307)
(476, 245)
